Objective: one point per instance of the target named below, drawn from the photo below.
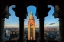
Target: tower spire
(31, 16)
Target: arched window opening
(11, 26)
(51, 25)
(31, 24)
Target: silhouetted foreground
(11, 41)
(26, 41)
(51, 41)
(31, 41)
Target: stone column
(21, 30)
(61, 29)
(41, 30)
(1, 30)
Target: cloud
(45, 24)
(51, 23)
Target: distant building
(7, 32)
(51, 29)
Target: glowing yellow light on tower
(31, 27)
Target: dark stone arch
(33, 6)
(31, 3)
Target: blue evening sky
(13, 20)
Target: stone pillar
(21, 30)
(61, 29)
(1, 30)
(21, 20)
(41, 30)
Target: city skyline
(13, 22)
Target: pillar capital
(5, 12)
(58, 12)
(22, 13)
(41, 14)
